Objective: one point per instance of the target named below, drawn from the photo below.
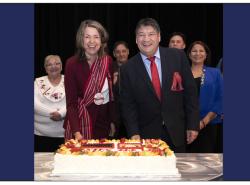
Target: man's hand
(136, 137)
(202, 124)
(191, 136)
(115, 77)
(112, 130)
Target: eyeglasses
(55, 64)
(143, 35)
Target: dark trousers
(209, 140)
(121, 131)
(166, 137)
(219, 146)
(47, 144)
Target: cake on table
(145, 156)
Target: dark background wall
(56, 25)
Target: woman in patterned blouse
(50, 106)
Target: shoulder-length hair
(208, 51)
(80, 34)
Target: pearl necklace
(203, 76)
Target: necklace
(203, 76)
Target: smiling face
(177, 42)
(53, 66)
(198, 54)
(147, 40)
(121, 53)
(91, 41)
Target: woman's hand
(78, 136)
(55, 116)
(207, 119)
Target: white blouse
(48, 99)
(105, 91)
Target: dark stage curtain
(56, 25)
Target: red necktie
(155, 77)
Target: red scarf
(99, 71)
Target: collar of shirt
(157, 57)
(157, 61)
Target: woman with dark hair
(210, 90)
(88, 85)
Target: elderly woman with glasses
(50, 106)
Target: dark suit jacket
(144, 114)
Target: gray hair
(56, 57)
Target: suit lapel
(143, 73)
(165, 69)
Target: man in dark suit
(121, 53)
(158, 93)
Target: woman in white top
(50, 106)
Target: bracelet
(203, 123)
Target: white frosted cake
(149, 156)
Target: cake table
(192, 166)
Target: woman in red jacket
(88, 85)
